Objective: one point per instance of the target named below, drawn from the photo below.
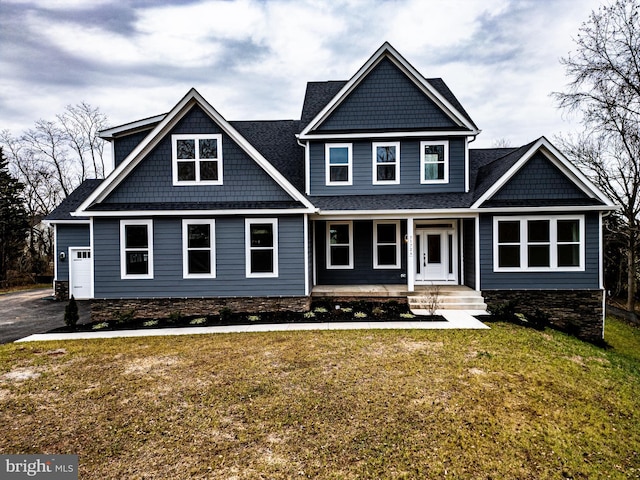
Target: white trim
(93, 269)
(196, 160)
(476, 238)
(461, 246)
(398, 245)
(390, 135)
(559, 160)
(600, 252)
(553, 243)
(210, 213)
(328, 165)
(67, 222)
(307, 169)
(387, 51)
(328, 264)
(56, 258)
(191, 99)
(248, 222)
(374, 161)
(70, 253)
(445, 144)
(123, 249)
(466, 164)
(185, 247)
(305, 232)
(411, 270)
(144, 124)
(446, 254)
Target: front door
(435, 255)
(80, 272)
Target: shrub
(377, 312)
(309, 315)
(198, 321)
(225, 314)
(504, 311)
(71, 313)
(100, 326)
(175, 317)
(253, 318)
(125, 316)
(360, 315)
(150, 323)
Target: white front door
(80, 272)
(435, 250)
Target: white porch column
(411, 270)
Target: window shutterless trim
(175, 160)
(445, 155)
(375, 164)
(397, 244)
(248, 222)
(124, 249)
(553, 244)
(186, 249)
(327, 163)
(329, 266)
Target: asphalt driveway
(33, 311)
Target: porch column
(411, 271)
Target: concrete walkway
(455, 320)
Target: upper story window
(197, 159)
(434, 162)
(338, 163)
(136, 248)
(386, 163)
(539, 243)
(198, 249)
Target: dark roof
(162, 206)
(63, 211)
(392, 202)
(443, 90)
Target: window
(539, 243)
(386, 163)
(136, 248)
(339, 245)
(338, 163)
(434, 162)
(198, 252)
(386, 250)
(197, 159)
(261, 247)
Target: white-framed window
(539, 243)
(261, 247)
(434, 161)
(198, 248)
(386, 163)
(197, 159)
(339, 245)
(386, 244)
(136, 249)
(338, 163)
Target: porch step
(446, 298)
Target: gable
(150, 182)
(386, 99)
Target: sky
(251, 59)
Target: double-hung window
(197, 159)
(136, 249)
(386, 163)
(339, 245)
(386, 240)
(338, 163)
(539, 243)
(261, 247)
(198, 249)
(434, 162)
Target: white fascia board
(559, 160)
(383, 135)
(386, 50)
(562, 209)
(67, 222)
(143, 124)
(204, 213)
(162, 129)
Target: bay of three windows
(434, 163)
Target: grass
(509, 403)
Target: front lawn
(505, 403)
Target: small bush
(504, 311)
(198, 321)
(150, 323)
(226, 314)
(71, 313)
(126, 316)
(175, 317)
(407, 315)
(309, 315)
(100, 326)
(377, 312)
(360, 315)
(253, 318)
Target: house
(375, 186)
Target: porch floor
(378, 290)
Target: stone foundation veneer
(61, 290)
(149, 308)
(578, 312)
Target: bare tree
(501, 143)
(604, 88)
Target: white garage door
(80, 272)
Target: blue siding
(386, 99)
(363, 272)
(539, 179)
(469, 251)
(230, 269)
(69, 236)
(123, 146)
(539, 280)
(362, 183)
(151, 181)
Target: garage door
(80, 272)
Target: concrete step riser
(462, 306)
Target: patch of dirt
(477, 371)
(20, 374)
(146, 365)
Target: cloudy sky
(251, 58)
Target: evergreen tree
(13, 220)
